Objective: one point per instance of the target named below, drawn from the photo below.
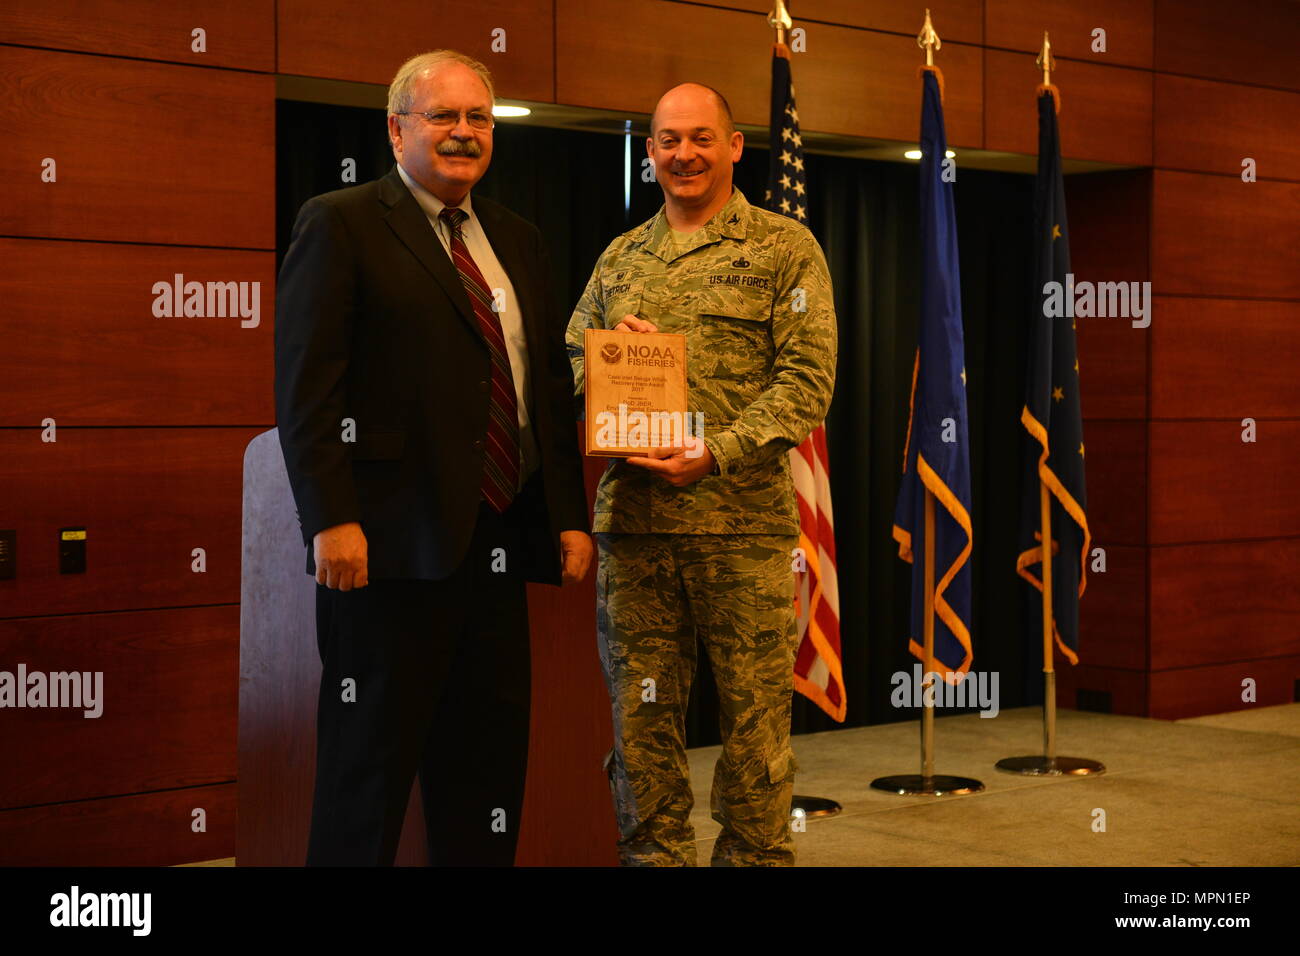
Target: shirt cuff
(725, 447)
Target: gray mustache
(456, 147)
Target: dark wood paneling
(959, 20)
(1105, 111)
(1113, 610)
(147, 829)
(240, 33)
(1243, 43)
(1019, 25)
(1209, 126)
(1215, 603)
(1110, 222)
(1217, 688)
(342, 40)
(1207, 484)
(1224, 358)
(168, 704)
(85, 348)
(146, 497)
(1115, 463)
(146, 152)
(852, 82)
(1215, 235)
(1127, 689)
(568, 814)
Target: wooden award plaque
(636, 392)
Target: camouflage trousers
(656, 594)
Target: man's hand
(575, 551)
(631, 323)
(678, 466)
(341, 557)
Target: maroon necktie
(501, 462)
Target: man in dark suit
(425, 408)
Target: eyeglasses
(447, 119)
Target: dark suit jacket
(373, 324)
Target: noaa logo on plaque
(611, 353)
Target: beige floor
(1222, 790)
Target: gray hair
(401, 92)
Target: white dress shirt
(512, 320)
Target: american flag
(818, 674)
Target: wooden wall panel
(1115, 464)
(1019, 25)
(148, 829)
(1242, 43)
(240, 34)
(959, 21)
(343, 40)
(1211, 127)
(1216, 603)
(1113, 610)
(1217, 688)
(1105, 111)
(146, 152)
(146, 497)
(169, 696)
(852, 82)
(1110, 216)
(1215, 235)
(1127, 689)
(85, 348)
(1224, 358)
(1208, 485)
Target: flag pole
(1048, 763)
(801, 805)
(928, 783)
(928, 679)
(1049, 665)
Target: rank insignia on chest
(733, 220)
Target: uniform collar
(431, 204)
(729, 222)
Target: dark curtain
(571, 185)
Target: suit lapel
(412, 227)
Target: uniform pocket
(781, 766)
(736, 345)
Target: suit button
(483, 385)
(478, 444)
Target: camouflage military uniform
(751, 293)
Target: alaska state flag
(937, 455)
(1052, 415)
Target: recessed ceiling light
(500, 110)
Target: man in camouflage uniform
(698, 541)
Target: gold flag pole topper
(1047, 63)
(928, 783)
(928, 40)
(779, 20)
